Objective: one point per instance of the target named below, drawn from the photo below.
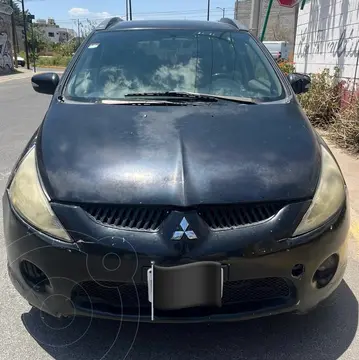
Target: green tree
(16, 8)
(66, 49)
(17, 14)
(37, 41)
(87, 27)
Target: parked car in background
(279, 49)
(20, 61)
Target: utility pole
(13, 33)
(208, 7)
(255, 14)
(31, 18)
(78, 31)
(127, 10)
(25, 34)
(236, 10)
(295, 24)
(130, 8)
(266, 19)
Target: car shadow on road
(323, 334)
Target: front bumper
(111, 274)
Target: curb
(25, 75)
(54, 67)
(8, 78)
(354, 235)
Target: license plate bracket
(198, 284)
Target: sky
(65, 12)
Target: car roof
(172, 24)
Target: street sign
(289, 3)
(30, 18)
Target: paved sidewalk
(21, 74)
(349, 165)
(26, 74)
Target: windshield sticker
(93, 46)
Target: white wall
(328, 36)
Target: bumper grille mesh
(234, 292)
(150, 218)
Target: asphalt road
(328, 333)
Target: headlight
(29, 200)
(329, 196)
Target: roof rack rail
(108, 22)
(234, 23)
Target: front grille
(125, 295)
(128, 217)
(231, 216)
(150, 218)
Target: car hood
(177, 155)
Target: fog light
(34, 277)
(326, 271)
(297, 270)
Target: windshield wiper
(137, 102)
(192, 96)
(186, 96)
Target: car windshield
(116, 64)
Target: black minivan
(175, 178)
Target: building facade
(53, 32)
(6, 43)
(328, 38)
(281, 22)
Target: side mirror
(300, 82)
(45, 83)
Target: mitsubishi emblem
(184, 225)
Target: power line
(177, 12)
(199, 14)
